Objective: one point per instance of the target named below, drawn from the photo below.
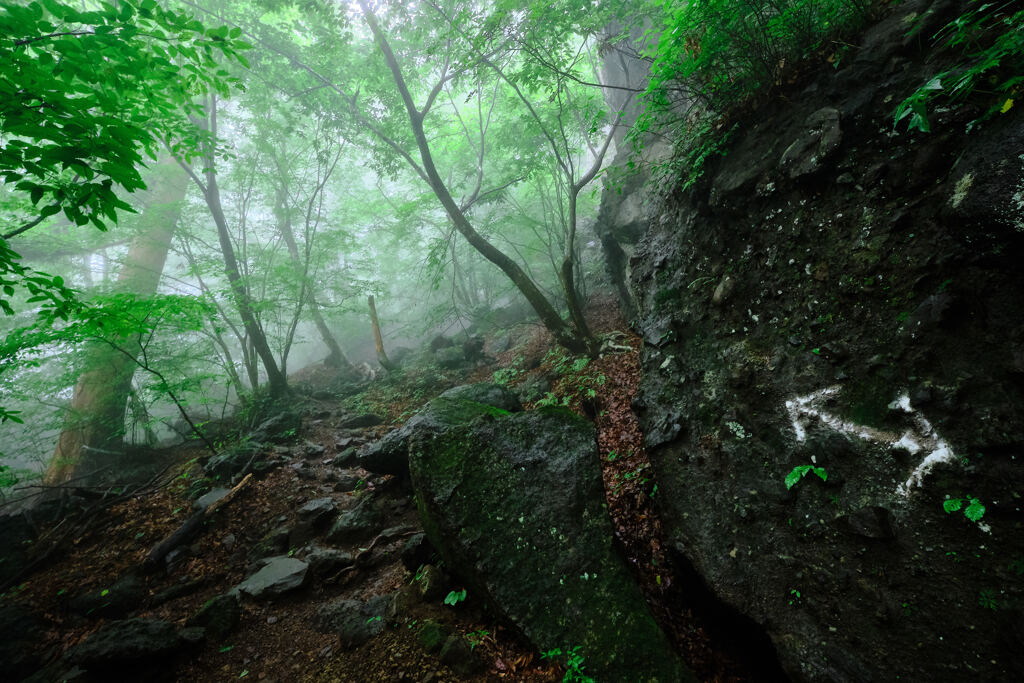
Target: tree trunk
(564, 334)
(336, 358)
(378, 341)
(92, 439)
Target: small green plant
(476, 637)
(801, 471)
(987, 599)
(455, 597)
(794, 596)
(373, 619)
(551, 400)
(505, 376)
(974, 510)
(574, 665)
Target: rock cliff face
(843, 304)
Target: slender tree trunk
(92, 439)
(564, 335)
(336, 358)
(378, 341)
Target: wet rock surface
(514, 504)
(866, 325)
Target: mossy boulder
(390, 455)
(515, 505)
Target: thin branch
(31, 224)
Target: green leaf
(952, 505)
(796, 475)
(975, 510)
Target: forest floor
(276, 640)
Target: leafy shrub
(990, 38)
(713, 55)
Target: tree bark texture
(93, 435)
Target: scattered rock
(123, 596)
(324, 562)
(354, 622)
(128, 641)
(458, 654)
(318, 512)
(873, 521)
(432, 636)
(417, 552)
(360, 421)
(279, 575)
(355, 524)
(206, 500)
(219, 616)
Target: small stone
(432, 636)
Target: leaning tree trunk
(378, 341)
(565, 335)
(336, 358)
(92, 440)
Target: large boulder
(867, 345)
(390, 455)
(514, 503)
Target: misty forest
(519, 340)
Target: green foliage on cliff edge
(989, 38)
(715, 55)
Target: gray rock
(278, 429)
(356, 524)
(219, 616)
(347, 483)
(123, 596)
(390, 455)
(360, 421)
(127, 641)
(450, 357)
(354, 622)
(279, 575)
(486, 393)
(815, 145)
(325, 562)
(318, 512)
(207, 499)
(312, 450)
(432, 636)
(416, 552)
(515, 504)
(23, 631)
(346, 458)
(457, 654)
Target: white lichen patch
(922, 438)
(963, 186)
